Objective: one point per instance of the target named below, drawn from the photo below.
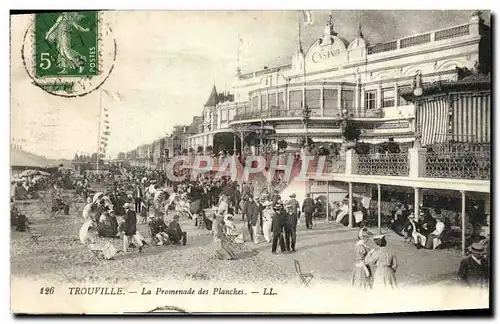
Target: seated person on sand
(108, 225)
(91, 239)
(158, 229)
(413, 230)
(18, 221)
(175, 232)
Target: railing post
(417, 160)
(351, 162)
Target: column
(242, 139)
(321, 100)
(379, 96)
(396, 95)
(350, 204)
(417, 203)
(339, 104)
(463, 221)
(356, 96)
(327, 199)
(379, 213)
(234, 143)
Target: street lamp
(306, 115)
(418, 91)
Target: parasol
(28, 173)
(84, 230)
(96, 196)
(43, 173)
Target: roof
(20, 158)
(213, 99)
(474, 82)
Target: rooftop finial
(359, 33)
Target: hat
(293, 195)
(176, 217)
(267, 203)
(379, 236)
(477, 248)
(278, 205)
(126, 205)
(364, 233)
(308, 195)
(411, 216)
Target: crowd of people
(133, 195)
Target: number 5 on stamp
(66, 44)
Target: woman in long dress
(267, 220)
(60, 34)
(361, 276)
(385, 263)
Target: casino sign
(321, 57)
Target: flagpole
(99, 132)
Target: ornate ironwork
(451, 32)
(457, 147)
(415, 40)
(383, 47)
(458, 165)
(335, 164)
(390, 164)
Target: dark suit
(472, 273)
(253, 212)
(308, 209)
(278, 226)
(175, 232)
(130, 223)
(138, 196)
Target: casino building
(335, 79)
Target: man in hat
(129, 228)
(158, 229)
(252, 211)
(474, 269)
(308, 210)
(290, 226)
(278, 225)
(175, 232)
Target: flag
(106, 122)
(113, 95)
(107, 127)
(107, 133)
(307, 17)
(244, 46)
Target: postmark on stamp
(69, 54)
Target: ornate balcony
(336, 164)
(416, 164)
(383, 164)
(461, 165)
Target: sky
(167, 63)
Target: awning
(376, 141)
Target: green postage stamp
(67, 44)
(69, 53)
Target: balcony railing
(275, 113)
(336, 164)
(439, 35)
(461, 165)
(452, 32)
(396, 164)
